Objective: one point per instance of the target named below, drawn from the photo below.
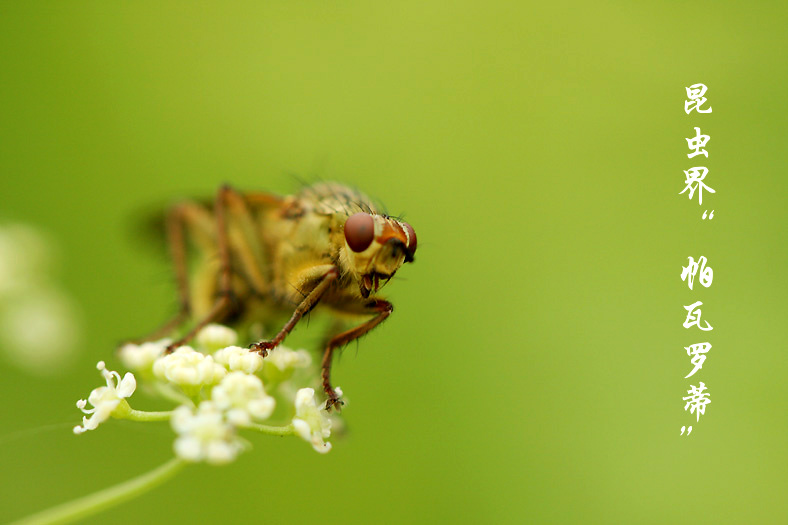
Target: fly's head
(375, 247)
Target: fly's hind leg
(234, 236)
(198, 222)
(382, 309)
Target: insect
(263, 254)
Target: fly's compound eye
(411, 234)
(359, 231)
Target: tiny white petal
(284, 358)
(219, 452)
(180, 419)
(215, 336)
(321, 447)
(127, 385)
(261, 408)
(188, 448)
(141, 357)
(237, 358)
(238, 417)
(302, 429)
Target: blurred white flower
(215, 336)
(107, 400)
(204, 435)
(237, 358)
(140, 357)
(282, 363)
(38, 322)
(24, 258)
(284, 358)
(188, 367)
(38, 330)
(242, 397)
(311, 423)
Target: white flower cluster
(204, 434)
(221, 388)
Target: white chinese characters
(697, 143)
(693, 317)
(697, 400)
(698, 354)
(695, 99)
(694, 181)
(689, 272)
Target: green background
(534, 367)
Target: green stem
(103, 499)
(141, 415)
(173, 395)
(287, 430)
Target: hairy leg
(328, 277)
(382, 309)
(197, 221)
(223, 301)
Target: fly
(261, 252)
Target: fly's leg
(245, 246)
(383, 309)
(225, 198)
(198, 221)
(310, 301)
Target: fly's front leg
(329, 276)
(383, 309)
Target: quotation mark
(689, 431)
(711, 215)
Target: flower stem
(166, 391)
(141, 415)
(98, 501)
(287, 430)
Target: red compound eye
(359, 231)
(411, 238)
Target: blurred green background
(534, 367)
